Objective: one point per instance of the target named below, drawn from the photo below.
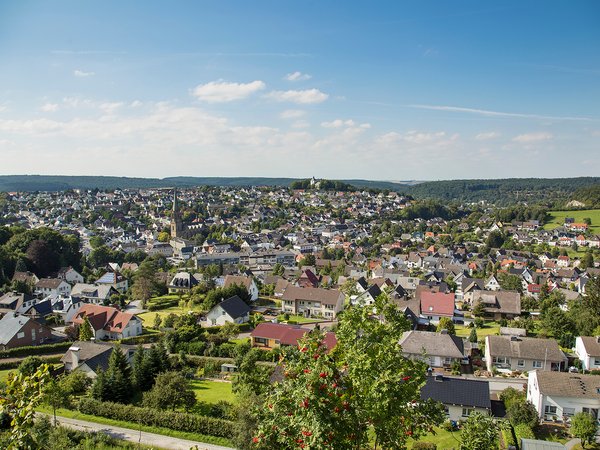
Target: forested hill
(501, 192)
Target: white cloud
(304, 97)
(300, 124)
(83, 74)
(292, 113)
(339, 123)
(297, 76)
(414, 137)
(49, 107)
(532, 137)
(487, 136)
(3, 107)
(135, 104)
(110, 107)
(222, 91)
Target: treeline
(589, 195)
(502, 192)
(522, 214)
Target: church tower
(176, 224)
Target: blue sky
(392, 90)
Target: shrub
(523, 431)
(143, 339)
(424, 446)
(35, 350)
(178, 421)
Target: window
(259, 340)
(521, 363)
(592, 411)
(466, 412)
(569, 411)
(549, 409)
(446, 410)
(20, 335)
(537, 364)
(597, 361)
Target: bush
(163, 304)
(35, 350)
(424, 446)
(523, 431)
(179, 421)
(143, 339)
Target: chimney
(74, 357)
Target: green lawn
(134, 426)
(4, 374)
(298, 319)
(239, 341)
(148, 317)
(557, 218)
(442, 438)
(488, 329)
(212, 391)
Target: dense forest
(552, 192)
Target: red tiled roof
(288, 334)
(437, 303)
(103, 317)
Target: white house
(560, 395)
(70, 275)
(247, 282)
(109, 323)
(232, 310)
(53, 287)
(587, 349)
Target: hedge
(35, 350)
(523, 431)
(142, 339)
(177, 421)
(14, 364)
(214, 330)
(163, 305)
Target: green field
(4, 374)
(443, 439)
(148, 317)
(490, 328)
(557, 218)
(212, 391)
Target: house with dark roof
(114, 279)
(523, 354)
(15, 302)
(561, 395)
(182, 282)
(90, 357)
(460, 397)
(438, 350)
(109, 323)
(20, 331)
(232, 310)
(268, 336)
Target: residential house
(109, 323)
(93, 293)
(460, 397)
(499, 304)
(90, 357)
(312, 302)
(245, 281)
(182, 282)
(587, 349)
(232, 310)
(561, 395)
(523, 354)
(268, 336)
(70, 275)
(20, 331)
(439, 350)
(114, 279)
(492, 284)
(25, 277)
(308, 279)
(15, 301)
(52, 287)
(435, 305)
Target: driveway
(149, 439)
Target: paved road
(149, 439)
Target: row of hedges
(6, 365)
(163, 304)
(35, 350)
(214, 330)
(142, 339)
(179, 421)
(522, 431)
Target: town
(188, 310)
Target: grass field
(557, 218)
(490, 328)
(134, 426)
(4, 374)
(212, 391)
(442, 438)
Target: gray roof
(507, 302)
(434, 344)
(10, 325)
(566, 384)
(591, 345)
(235, 307)
(457, 391)
(533, 444)
(525, 348)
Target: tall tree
(446, 324)
(144, 282)
(86, 332)
(170, 391)
(480, 432)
